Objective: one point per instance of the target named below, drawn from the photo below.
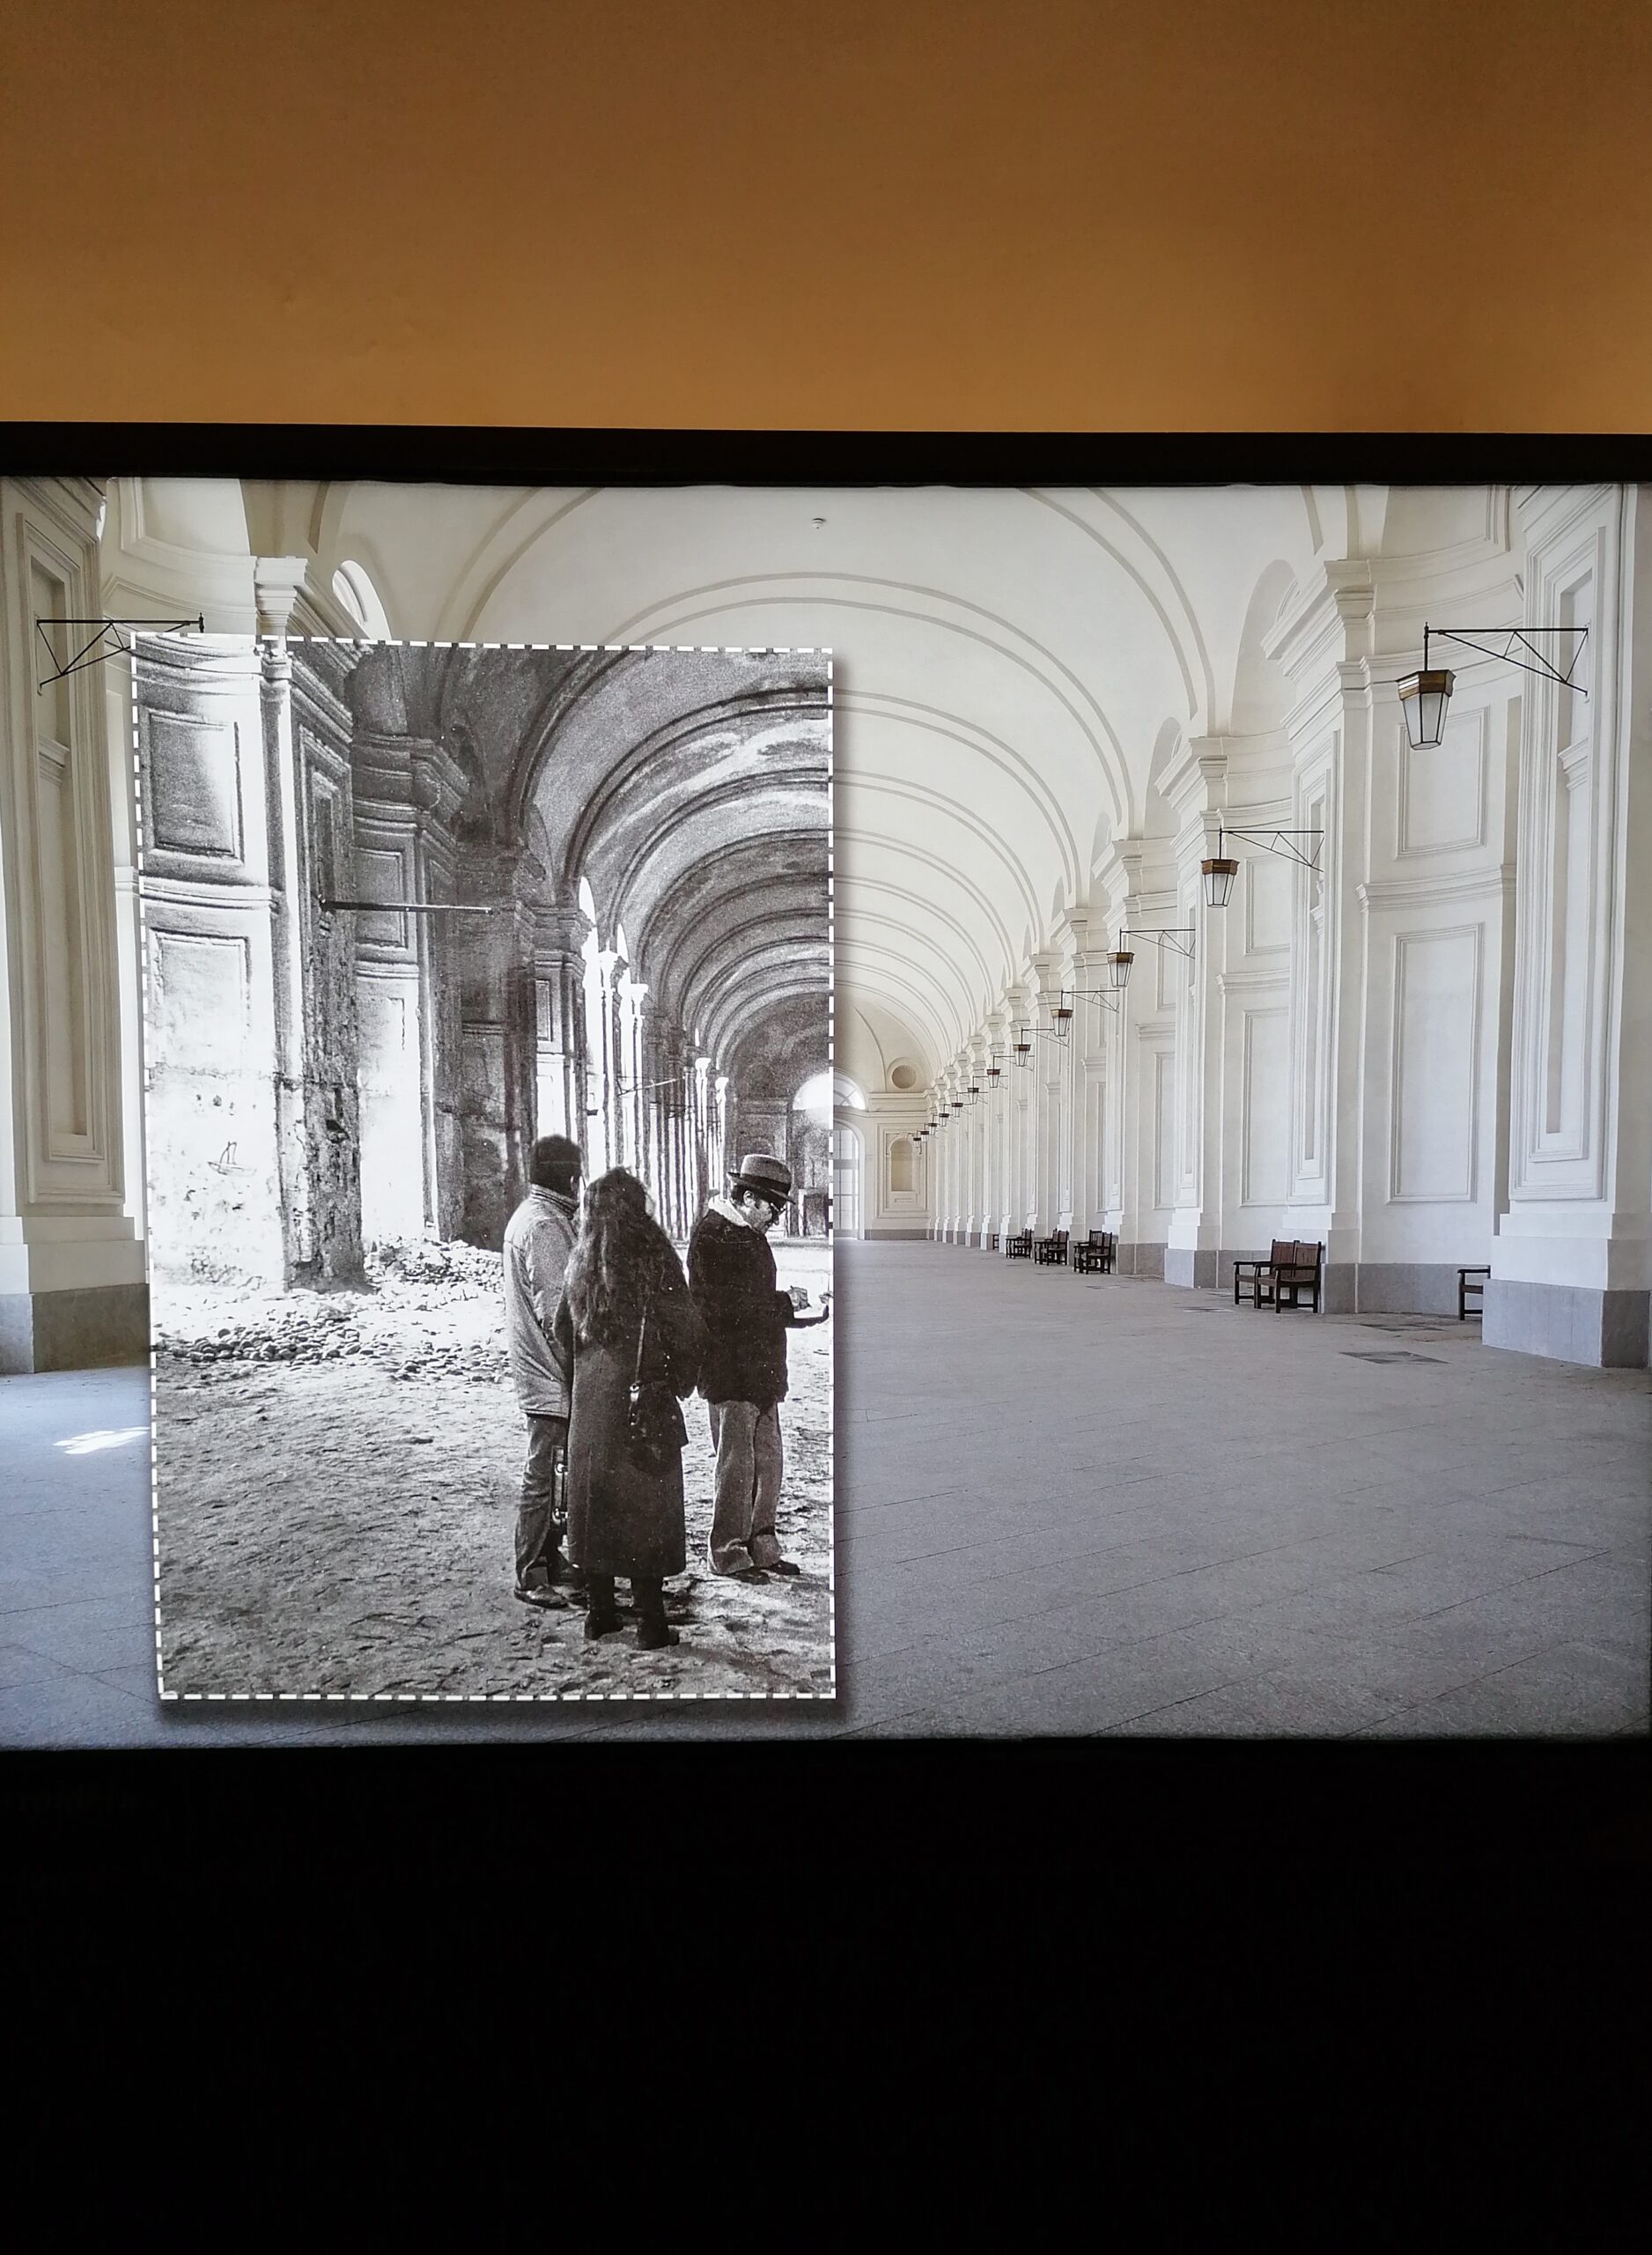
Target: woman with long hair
(630, 1339)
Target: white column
(1195, 787)
(994, 1103)
(277, 579)
(1572, 1262)
(71, 1269)
(1093, 1013)
(1326, 648)
(1047, 1059)
(1018, 1083)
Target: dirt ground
(337, 1476)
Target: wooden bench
(1098, 1254)
(1471, 1280)
(1052, 1251)
(1303, 1271)
(1257, 1274)
(1019, 1247)
(992, 1241)
(1294, 1265)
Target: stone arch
(1158, 821)
(354, 590)
(1261, 692)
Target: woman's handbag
(654, 1429)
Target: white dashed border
(493, 1698)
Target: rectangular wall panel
(1266, 881)
(200, 1000)
(1443, 790)
(62, 954)
(195, 786)
(1265, 1162)
(1164, 1128)
(1435, 1081)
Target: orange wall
(947, 214)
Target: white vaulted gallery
(1241, 906)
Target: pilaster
(1195, 787)
(1572, 1261)
(71, 1274)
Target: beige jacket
(538, 1239)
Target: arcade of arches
(1433, 1049)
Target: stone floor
(1065, 1505)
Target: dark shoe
(654, 1636)
(781, 1566)
(602, 1624)
(541, 1594)
(745, 1574)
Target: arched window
(823, 1092)
(901, 1164)
(846, 1165)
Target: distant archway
(848, 1167)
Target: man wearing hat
(538, 1239)
(743, 1376)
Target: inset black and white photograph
(488, 1111)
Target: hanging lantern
(994, 1075)
(1022, 1042)
(973, 1091)
(1119, 963)
(1062, 1014)
(1423, 699)
(1218, 873)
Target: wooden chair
(1471, 1283)
(1019, 1247)
(1301, 1273)
(1099, 1253)
(1258, 1275)
(991, 1240)
(1052, 1251)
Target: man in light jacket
(743, 1372)
(538, 1239)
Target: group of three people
(606, 1337)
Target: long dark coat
(623, 1520)
(746, 1316)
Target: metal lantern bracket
(1281, 842)
(1177, 937)
(1536, 662)
(1105, 1001)
(104, 640)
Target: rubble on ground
(410, 1318)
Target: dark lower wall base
(74, 1331)
(1202, 1270)
(883, 1236)
(1570, 1324)
(1407, 1288)
(1370, 1287)
(1141, 1261)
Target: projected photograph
(488, 1111)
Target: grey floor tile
(19, 1667)
(98, 1633)
(74, 1710)
(1038, 1555)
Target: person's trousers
(538, 1544)
(750, 1463)
(648, 1595)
